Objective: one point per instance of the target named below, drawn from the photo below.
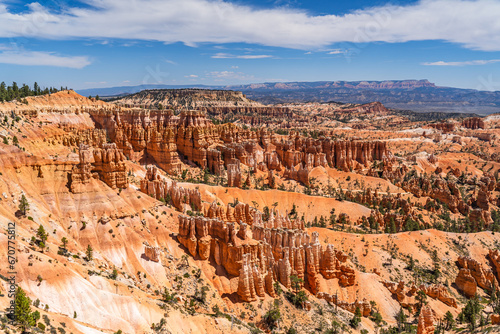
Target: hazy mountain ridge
(402, 94)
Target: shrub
(273, 315)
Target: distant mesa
(418, 95)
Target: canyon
(205, 211)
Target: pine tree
(293, 212)
(64, 242)
(42, 235)
(89, 253)
(15, 89)
(401, 319)
(24, 206)
(322, 222)
(3, 92)
(412, 263)
(23, 314)
(393, 226)
(333, 217)
(449, 320)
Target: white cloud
(462, 63)
(191, 76)
(227, 55)
(337, 52)
(471, 23)
(36, 58)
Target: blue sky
(104, 43)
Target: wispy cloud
(36, 58)
(337, 52)
(229, 56)
(230, 76)
(473, 24)
(461, 63)
(96, 83)
(192, 76)
(170, 61)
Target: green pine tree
(24, 206)
(24, 316)
(90, 253)
(42, 235)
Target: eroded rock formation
(445, 127)
(406, 294)
(473, 123)
(106, 163)
(466, 283)
(364, 306)
(494, 256)
(483, 277)
(262, 252)
(152, 253)
(426, 320)
(161, 137)
(156, 186)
